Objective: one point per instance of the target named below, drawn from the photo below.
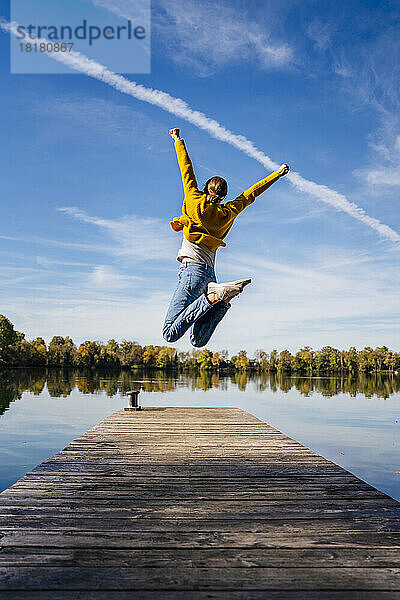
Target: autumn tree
(40, 350)
(305, 359)
(285, 361)
(150, 354)
(88, 354)
(240, 361)
(131, 354)
(273, 360)
(8, 339)
(166, 358)
(205, 360)
(61, 351)
(220, 359)
(350, 360)
(261, 360)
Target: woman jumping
(199, 301)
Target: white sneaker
(242, 282)
(226, 291)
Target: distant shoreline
(16, 351)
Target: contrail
(177, 106)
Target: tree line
(16, 351)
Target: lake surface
(353, 422)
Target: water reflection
(61, 382)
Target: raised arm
(247, 197)
(185, 164)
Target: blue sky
(90, 179)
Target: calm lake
(353, 422)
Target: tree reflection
(14, 382)
(62, 382)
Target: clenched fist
(174, 133)
(283, 170)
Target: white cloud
(202, 36)
(207, 37)
(340, 68)
(384, 167)
(340, 297)
(383, 176)
(106, 277)
(85, 314)
(139, 238)
(369, 77)
(320, 34)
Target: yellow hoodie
(205, 221)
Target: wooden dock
(195, 503)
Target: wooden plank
(195, 503)
(99, 523)
(123, 511)
(124, 578)
(200, 595)
(234, 535)
(292, 526)
(39, 479)
(199, 558)
(150, 491)
(245, 469)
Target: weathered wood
(195, 503)
(336, 481)
(209, 595)
(200, 595)
(204, 490)
(293, 526)
(195, 558)
(260, 578)
(221, 467)
(233, 536)
(120, 512)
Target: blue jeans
(189, 306)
